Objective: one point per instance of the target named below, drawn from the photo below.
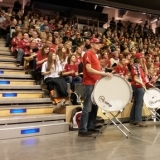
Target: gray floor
(142, 144)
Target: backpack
(75, 98)
(75, 118)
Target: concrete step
(17, 82)
(5, 49)
(2, 44)
(32, 129)
(20, 94)
(26, 87)
(11, 101)
(16, 76)
(5, 53)
(11, 111)
(32, 118)
(10, 65)
(16, 72)
(30, 106)
(4, 58)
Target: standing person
(91, 73)
(17, 6)
(138, 76)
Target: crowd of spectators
(32, 38)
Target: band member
(138, 75)
(91, 73)
(121, 69)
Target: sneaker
(43, 86)
(93, 130)
(84, 134)
(18, 64)
(140, 124)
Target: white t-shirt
(55, 70)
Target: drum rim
(153, 88)
(129, 85)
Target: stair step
(29, 87)
(2, 40)
(17, 82)
(2, 44)
(7, 58)
(6, 53)
(32, 129)
(21, 76)
(30, 106)
(5, 49)
(26, 111)
(6, 71)
(31, 118)
(20, 94)
(25, 101)
(10, 65)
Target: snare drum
(112, 94)
(151, 98)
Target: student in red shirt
(71, 72)
(91, 73)
(138, 75)
(121, 68)
(41, 57)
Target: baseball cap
(95, 40)
(139, 55)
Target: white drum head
(152, 98)
(112, 94)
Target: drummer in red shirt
(121, 69)
(138, 75)
(91, 73)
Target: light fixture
(154, 20)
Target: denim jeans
(136, 111)
(20, 55)
(8, 39)
(73, 81)
(89, 112)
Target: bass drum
(151, 98)
(112, 94)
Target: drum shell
(111, 91)
(151, 98)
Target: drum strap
(136, 67)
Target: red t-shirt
(91, 58)
(52, 48)
(78, 60)
(39, 58)
(137, 70)
(69, 67)
(121, 70)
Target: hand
(45, 59)
(72, 71)
(49, 72)
(144, 87)
(107, 74)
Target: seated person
(51, 70)
(21, 46)
(70, 72)
(37, 62)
